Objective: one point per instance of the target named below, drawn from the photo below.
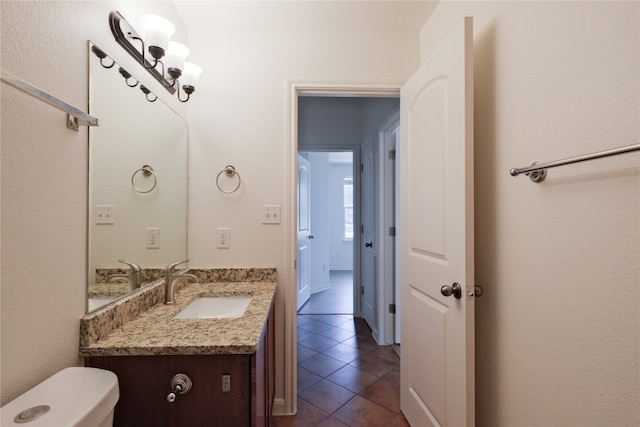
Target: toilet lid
(75, 396)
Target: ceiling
(357, 15)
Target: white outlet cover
(153, 238)
(223, 237)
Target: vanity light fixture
(146, 92)
(128, 78)
(100, 54)
(164, 59)
(124, 73)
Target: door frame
(374, 324)
(387, 204)
(293, 90)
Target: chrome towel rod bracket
(538, 171)
(75, 117)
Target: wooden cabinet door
(145, 383)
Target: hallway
(344, 377)
(338, 299)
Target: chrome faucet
(170, 277)
(134, 277)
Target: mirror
(137, 184)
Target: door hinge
(295, 264)
(392, 231)
(361, 167)
(392, 308)
(392, 154)
(361, 290)
(361, 228)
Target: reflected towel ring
(146, 170)
(230, 171)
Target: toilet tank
(74, 397)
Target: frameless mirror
(137, 183)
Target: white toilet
(74, 397)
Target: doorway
(298, 138)
(331, 204)
(330, 128)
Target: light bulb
(174, 59)
(157, 32)
(190, 74)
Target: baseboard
(321, 288)
(279, 408)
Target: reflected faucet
(134, 277)
(170, 277)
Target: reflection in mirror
(137, 183)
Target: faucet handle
(172, 267)
(134, 267)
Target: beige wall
(558, 329)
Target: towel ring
(230, 171)
(146, 170)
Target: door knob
(311, 236)
(455, 290)
(369, 245)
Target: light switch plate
(271, 214)
(105, 214)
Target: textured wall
(558, 329)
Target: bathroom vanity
(229, 361)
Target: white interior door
(368, 241)
(304, 232)
(437, 352)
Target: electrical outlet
(153, 238)
(271, 214)
(226, 383)
(223, 238)
(105, 214)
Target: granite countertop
(155, 331)
(101, 290)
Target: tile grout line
(356, 334)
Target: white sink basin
(215, 308)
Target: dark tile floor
(344, 377)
